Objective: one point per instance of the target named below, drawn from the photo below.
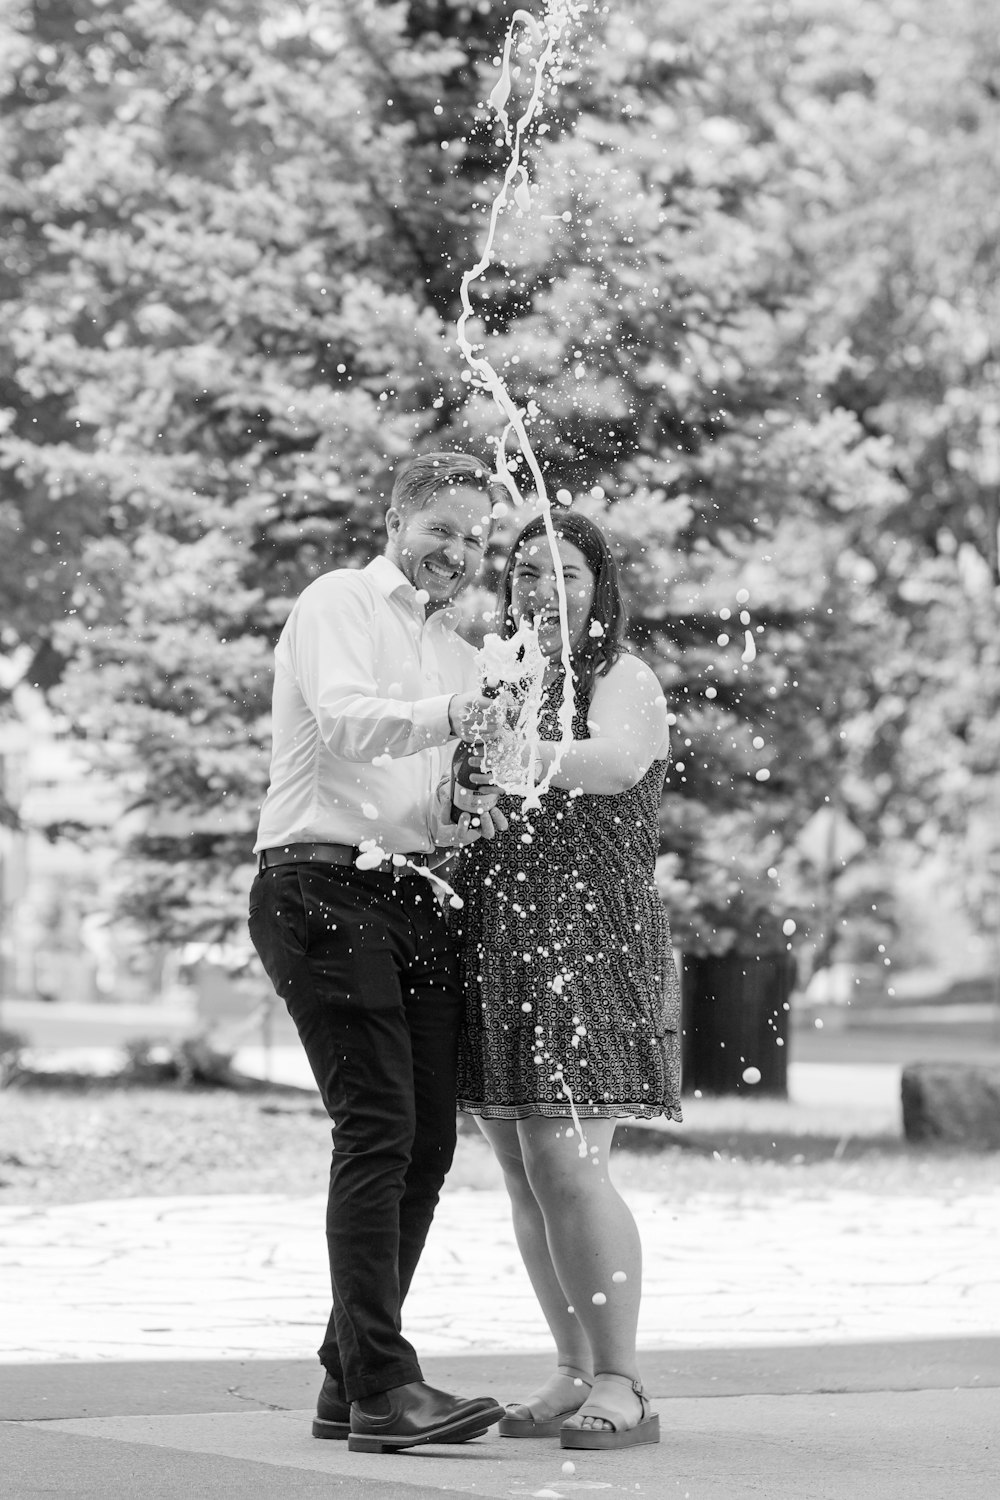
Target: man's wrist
(430, 718)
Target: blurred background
(752, 316)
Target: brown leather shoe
(416, 1413)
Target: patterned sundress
(572, 996)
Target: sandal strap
(633, 1382)
(522, 1411)
(592, 1407)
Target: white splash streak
(750, 645)
(371, 855)
(559, 1078)
(547, 35)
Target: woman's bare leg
(565, 1390)
(592, 1242)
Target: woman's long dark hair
(591, 656)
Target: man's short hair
(419, 480)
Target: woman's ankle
(565, 1390)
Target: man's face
(440, 548)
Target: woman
(572, 997)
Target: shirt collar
(390, 580)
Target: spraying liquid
(513, 671)
(371, 855)
(516, 668)
(515, 186)
(568, 1093)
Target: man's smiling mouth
(442, 571)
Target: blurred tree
(651, 315)
(232, 226)
(904, 251)
(233, 240)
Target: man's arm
(332, 645)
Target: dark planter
(735, 1016)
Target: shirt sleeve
(333, 642)
(443, 832)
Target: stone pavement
(245, 1277)
(798, 1348)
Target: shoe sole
(525, 1427)
(339, 1432)
(583, 1437)
(454, 1432)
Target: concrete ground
(907, 1420)
(815, 1347)
(796, 1349)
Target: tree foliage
(751, 318)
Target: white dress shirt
(362, 675)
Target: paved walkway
(818, 1347)
(798, 1348)
(245, 1277)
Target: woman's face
(533, 594)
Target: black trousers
(368, 972)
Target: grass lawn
(68, 1139)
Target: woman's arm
(628, 731)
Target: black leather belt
(328, 854)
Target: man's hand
(484, 819)
(481, 825)
(473, 716)
(479, 797)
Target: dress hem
(561, 1111)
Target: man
(371, 685)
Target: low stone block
(955, 1104)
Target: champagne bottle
(465, 791)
